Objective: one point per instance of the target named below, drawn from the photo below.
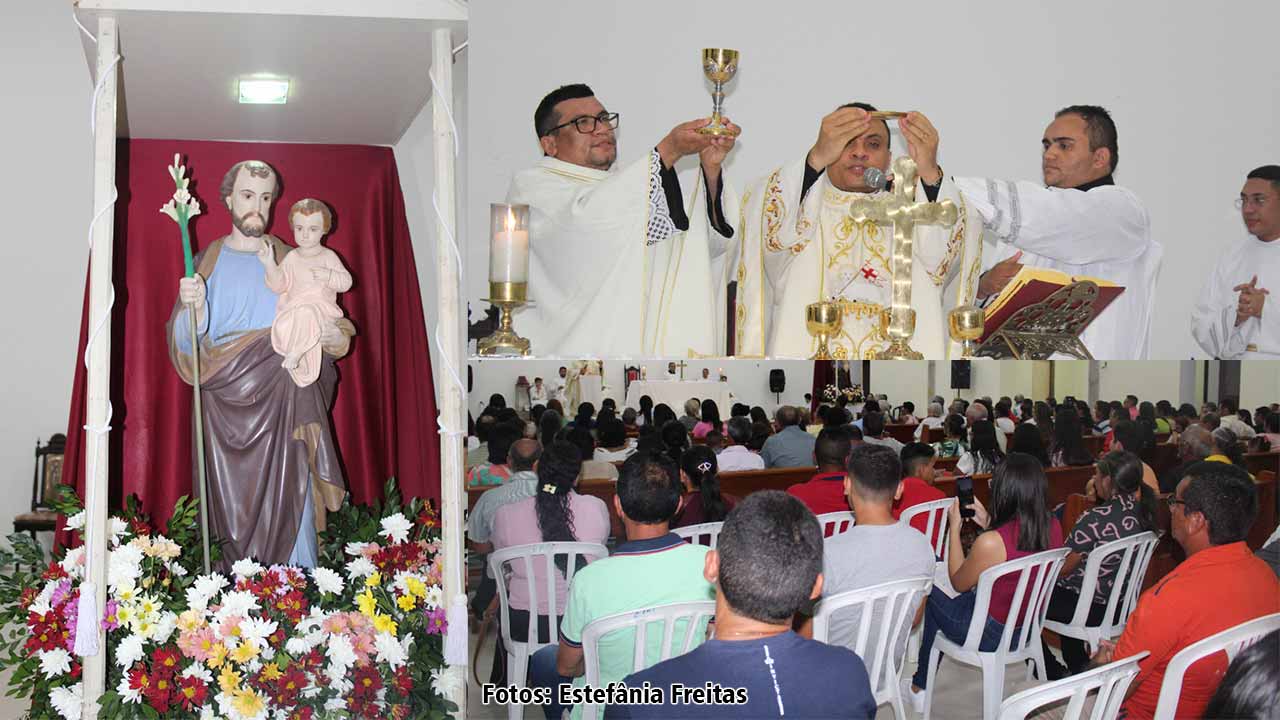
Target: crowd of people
(667, 470)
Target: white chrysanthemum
(175, 569)
(203, 590)
(327, 580)
(390, 651)
(42, 604)
(340, 651)
(359, 568)
(118, 528)
(246, 568)
(130, 694)
(164, 548)
(256, 631)
(447, 682)
(73, 562)
(165, 626)
(54, 662)
(198, 670)
(335, 704)
(297, 646)
(129, 651)
(356, 549)
(76, 522)
(396, 528)
(68, 701)
(124, 564)
(237, 603)
(208, 713)
(434, 597)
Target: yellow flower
(270, 671)
(148, 581)
(373, 580)
(244, 652)
(384, 623)
(406, 602)
(229, 680)
(366, 603)
(417, 588)
(124, 614)
(190, 620)
(247, 702)
(217, 655)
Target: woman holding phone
(1018, 524)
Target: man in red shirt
(824, 492)
(917, 482)
(1220, 585)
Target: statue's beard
(242, 224)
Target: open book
(1032, 285)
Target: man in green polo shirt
(654, 567)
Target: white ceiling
(358, 69)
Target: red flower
(47, 632)
(138, 526)
(139, 679)
(367, 683)
(159, 693)
(53, 572)
(165, 661)
(404, 680)
(302, 713)
(192, 692)
(27, 596)
(288, 685)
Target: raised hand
(713, 155)
(994, 280)
(266, 254)
(684, 139)
(922, 145)
(1252, 298)
(836, 130)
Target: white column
(99, 374)
(451, 401)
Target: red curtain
(384, 415)
(824, 374)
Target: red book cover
(1035, 291)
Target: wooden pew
(946, 464)
(1093, 443)
(933, 435)
(1161, 457)
(901, 432)
(1265, 522)
(1257, 463)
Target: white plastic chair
(891, 607)
(1111, 681)
(1231, 641)
(936, 526)
(694, 614)
(693, 534)
(1135, 555)
(540, 555)
(834, 523)
(1018, 642)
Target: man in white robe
(555, 386)
(1234, 317)
(800, 246)
(539, 394)
(1081, 224)
(617, 268)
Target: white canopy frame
(445, 21)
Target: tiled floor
(959, 692)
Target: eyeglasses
(588, 123)
(1258, 201)
(1174, 501)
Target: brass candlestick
(506, 296)
(719, 65)
(966, 325)
(823, 319)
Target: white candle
(509, 256)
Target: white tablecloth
(675, 392)
(590, 389)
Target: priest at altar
(1079, 223)
(621, 263)
(800, 245)
(1235, 317)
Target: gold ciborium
(719, 65)
(897, 325)
(823, 319)
(966, 325)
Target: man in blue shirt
(767, 564)
(791, 446)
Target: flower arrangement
(853, 393)
(360, 636)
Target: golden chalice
(719, 65)
(823, 319)
(966, 325)
(897, 325)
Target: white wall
(748, 379)
(1259, 383)
(1151, 381)
(46, 194)
(1194, 102)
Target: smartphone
(964, 491)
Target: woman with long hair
(1126, 506)
(662, 414)
(709, 420)
(646, 411)
(699, 471)
(984, 454)
(548, 425)
(1147, 416)
(675, 440)
(759, 415)
(1026, 439)
(556, 513)
(953, 442)
(1018, 524)
(586, 411)
(1042, 415)
(1067, 449)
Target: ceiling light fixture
(263, 92)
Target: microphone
(874, 178)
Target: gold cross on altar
(682, 365)
(900, 209)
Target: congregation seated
(653, 567)
(1220, 585)
(1067, 449)
(690, 419)
(934, 419)
(1251, 684)
(708, 420)
(1126, 507)
(760, 586)
(613, 443)
(523, 484)
(1026, 439)
(556, 513)
(702, 502)
(873, 432)
(1235, 419)
(630, 422)
(825, 491)
(1129, 438)
(791, 446)
(592, 469)
(917, 463)
(1195, 444)
(877, 549)
(1018, 524)
(714, 440)
(585, 418)
(984, 454)
(494, 470)
(737, 454)
(955, 441)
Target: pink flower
(109, 621)
(436, 623)
(196, 644)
